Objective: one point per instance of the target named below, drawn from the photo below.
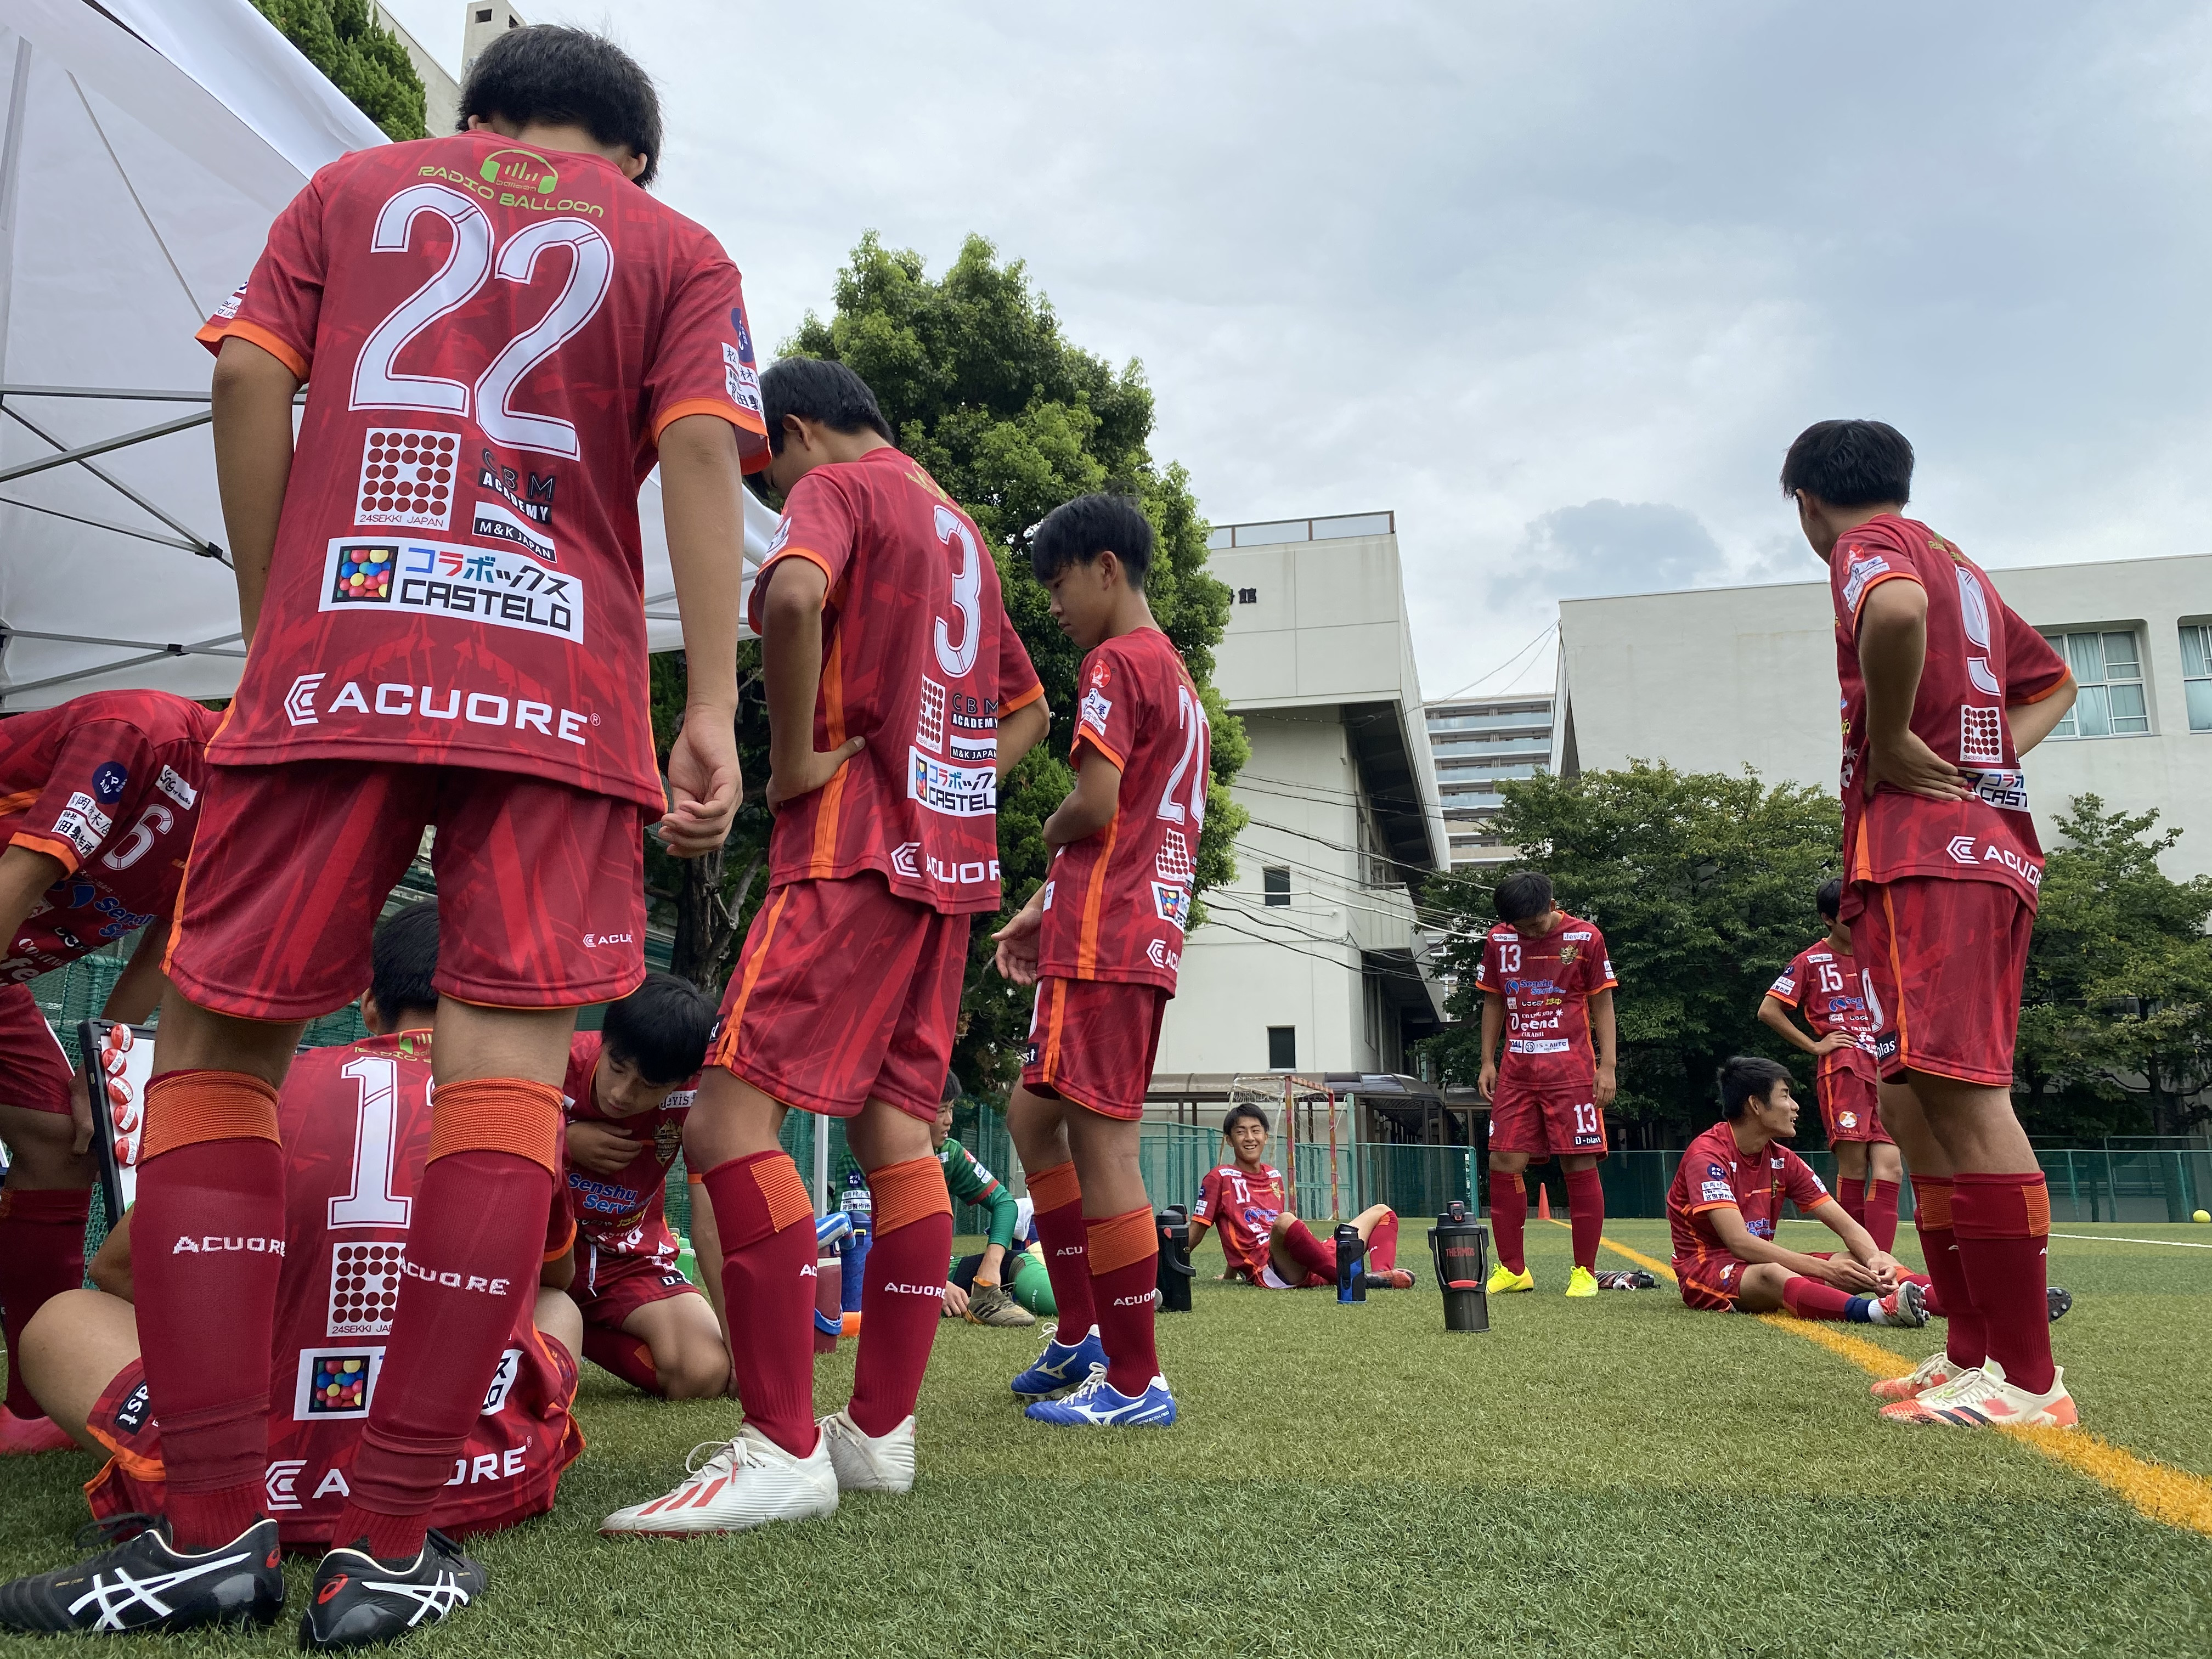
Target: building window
(2197, 673)
(1282, 1048)
(2108, 668)
(1275, 884)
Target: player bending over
(985, 1298)
(888, 665)
(1824, 983)
(97, 800)
(1547, 983)
(1262, 1241)
(1728, 1195)
(1944, 689)
(441, 585)
(629, 1088)
(358, 1126)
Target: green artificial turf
(1611, 1476)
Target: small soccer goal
(1302, 1109)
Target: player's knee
(695, 1370)
(1282, 1224)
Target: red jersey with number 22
(1716, 1172)
(919, 658)
(1116, 903)
(1545, 982)
(495, 337)
(1823, 984)
(1242, 1206)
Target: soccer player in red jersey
(1728, 1195)
(629, 1088)
(1944, 689)
(1263, 1243)
(442, 590)
(1547, 984)
(357, 1127)
(898, 693)
(98, 797)
(1823, 982)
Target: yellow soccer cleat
(1581, 1282)
(1504, 1280)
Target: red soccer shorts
(541, 887)
(1848, 1103)
(1710, 1281)
(1944, 960)
(1093, 1040)
(1544, 1118)
(34, 1069)
(609, 1288)
(843, 995)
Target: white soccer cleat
(1983, 1399)
(748, 1482)
(866, 1463)
(1932, 1372)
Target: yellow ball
(2202, 1215)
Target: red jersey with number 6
(1546, 981)
(1242, 1207)
(495, 337)
(1981, 660)
(1116, 903)
(110, 785)
(1716, 1172)
(918, 657)
(1823, 984)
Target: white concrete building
(482, 22)
(1478, 743)
(1713, 679)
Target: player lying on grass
(985, 1299)
(1823, 984)
(1263, 1243)
(629, 1088)
(1547, 983)
(1944, 689)
(1728, 1195)
(357, 1128)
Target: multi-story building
(1477, 744)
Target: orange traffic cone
(1543, 1202)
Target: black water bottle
(1350, 1264)
(1458, 1247)
(1172, 1279)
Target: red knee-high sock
(1309, 1252)
(1851, 1194)
(2001, 1222)
(1124, 1252)
(1808, 1298)
(1382, 1243)
(903, 1298)
(629, 1358)
(1508, 1217)
(1964, 1340)
(1586, 1206)
(206, 1250)
(1881, 1217)
(41, 1256)
(767, 1224)
(473, 1250)
(1058, 1198)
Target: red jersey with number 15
(1546, 981)
(1116, 903)
(494, 338)
(1823, 984)
(919, 658)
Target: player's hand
(601, 1148)
(787, 780)
(1017, 959)
(1606, 1087)
(1910, 766)
(1847, 1274)
(80, 1115)
(703, 783)
(1486, 1081)
(1833, 1040)
(955, 1301)
(1885, 1269)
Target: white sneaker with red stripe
(748, 1482)
(1982, 1399)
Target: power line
(1550, 628)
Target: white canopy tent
(145, 148)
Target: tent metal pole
(101, 524)
(85, 452)
(212, 648)
(11, 167)
(204, 649)
(119, 394)
(206, 549)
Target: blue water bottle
(853, 1251)
(1350, 1264)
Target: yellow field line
(2157, 1490)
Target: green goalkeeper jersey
(971, 1183)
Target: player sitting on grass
(1728, 1195)
(985, 1299)
(358, 1127)
(1547, 983)
(629, 1088)
(1823, 982)
(1262, 1241)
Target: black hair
(1078, 531)
(403, 958)
(1850, 464)
(1244, 1111)
(558, 76)
(1746, 1077)
(816, 389)
(1522, 895)
(1829, 898)
(662, 1028)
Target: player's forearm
(110, 1266)
(1493, 1026)
(791, 663)
(701, 497)
(1004, 1214)
(1601, 1027)
(1021, 731)
(1089, 806)
(25, 875)
(1773, 1016)
(1855, 1238)
(2032, 722)
(138, 990)
(988, 1270)
(251, 404)
(1892, 648)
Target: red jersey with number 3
(1242, 1206)
(624, 1213)
(110, 785)
(1546, 981)
(494, 338)
(918, 657)
(1981, 660)
(1716, 1172)
(1823, 984)
(1116, 903)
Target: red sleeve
(560, 1224)
(1209, 1197)
(278, 305)
(1864, 559)
(1784, 990)
(2032, 671)
(818, 526)
(1018, 685)
(1112, 707)
(1600, 964)
(703, 361)
(1487, 970)
(102, 770)
(1804, 1187)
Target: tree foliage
(362, 59)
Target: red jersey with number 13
(1546, 981)
(495, 337)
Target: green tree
(362, 59)
(1703, 885)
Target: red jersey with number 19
(495, 337)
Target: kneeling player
(1726, 1196)
(985, 1298)
(629, 1089)
(1262, 1241)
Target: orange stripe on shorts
(1051, 1028)
(727, 1048)
(903, 1193)
(510, 1115)
(1115, 1240)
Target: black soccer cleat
(359, 1601)
(143, 1584)
(2059, 1299)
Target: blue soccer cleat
(1099, 1405)
(1061, 1367)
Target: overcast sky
(1557, 283)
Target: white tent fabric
(146, 146)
